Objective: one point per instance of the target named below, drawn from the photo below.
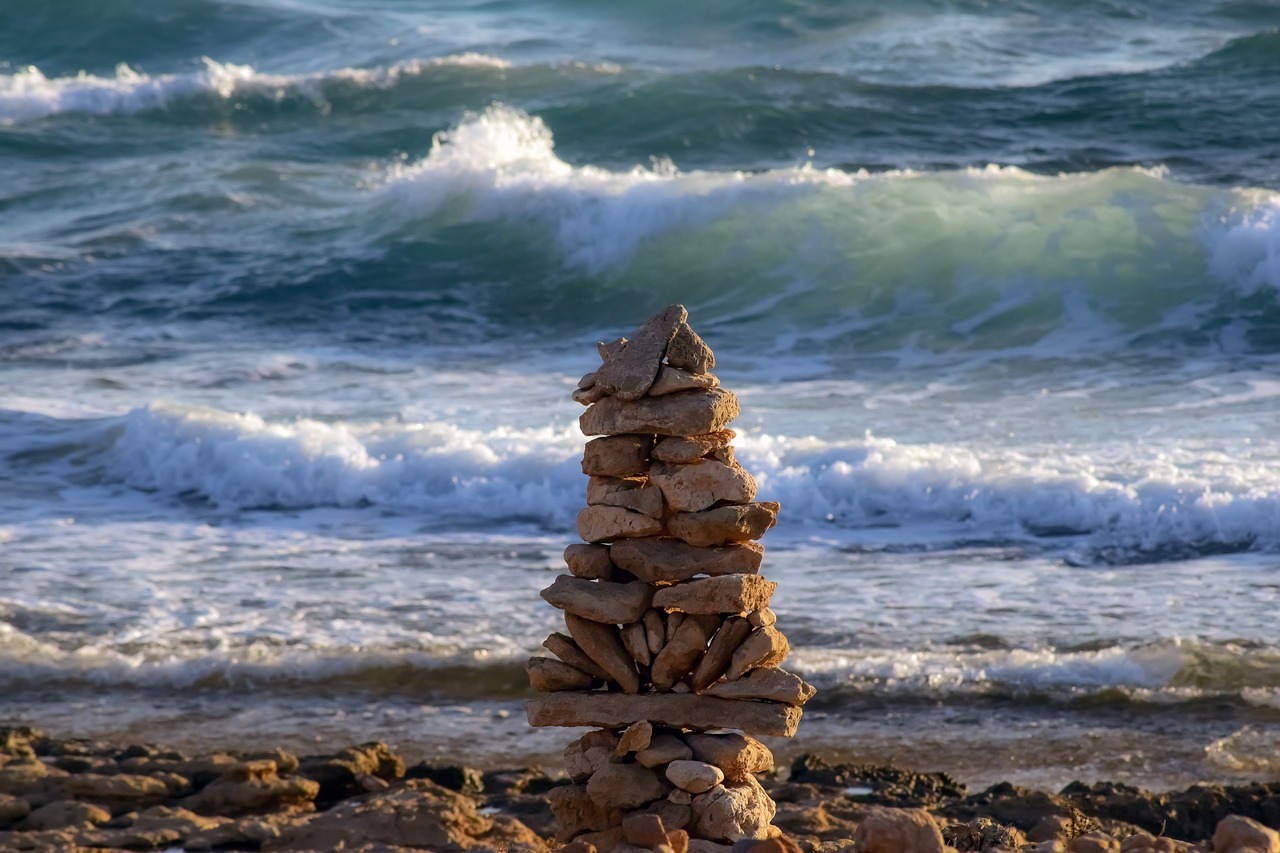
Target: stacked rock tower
(670, 652)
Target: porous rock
(667, 559)
(606, 523)
(600, 601)
(576, 812)
(629, 371)
(697, 485)
(617, 456)
(682, 413)
(687, 351)
(724, 594)
(589, 753)
(738, 756)
(734, 811)
(672, 379)
(687, 448)
(637, 737)
(720, 525)
(764, 646)
(896, 830)
(625, 786)
(634, 493)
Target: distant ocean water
(293, 295)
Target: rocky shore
(71, 794)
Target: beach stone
(655, 630)
(675, 710)
(665, 559)
(724, 524)
(761, 618)
(763, 647)
(590, 562)
(617, 456)
(609, 350)
(253, 788)
(672, 379)
(1093, 842)
(737, 756)
(600, 601)
(588, 380)
(625, 786)
(121, 792)
(697, 485)
(724, 594)
(636, 738)
(587, 396)
(735, 811)
(603, 645)
(674, 620)
(644, 830)
(576, 812)
(682, 413)
(629, 370)
(720, 652)
(12, 809)
(636, 642)
(61, 814)
(688, 448)
(663, 749)
(702, 845)
(687, 351)
(1238, 833)
(547, 675)
(589, 753)
(679, 655)
(771, 683)
(896, 830)
(563, 647)
(633, 493)
(605, 523)
(694, 776)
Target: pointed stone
(652, 560)
(611, 350)
(719, 654)
(636, 738)
(636, 643)
(600, 601)
(689, 352)
(589, 561)
(607, 523)
(724, 594)
(763, 647)
(679, 448)
(678, 656)
(634, 493)
(563, 647)
(675, 710)
(672, 379)
(697, 485)
(724, 524)
(629, 370)
(767, 682)
(603, 645)
(682, 413)
(655, 630)
(738, 756)
(617, 456)
(548, 675)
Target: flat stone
(694, 776)
(736, 811)
(738, 756)
(547, 675)
(589, 561)
(675, 710)
(720, 652)
(629, 370)
(604, 646)
(689, 352)
(636, 738)
(682, 413)
(672, 379)
(617, 455)
(625, 786)
(636, 642)
(764, 646)
(697, 485)
(563, 647)
(600, 601)
(723, 594)
(634, 493)
(664, 749)
(724, 524)
(666, 559)
(61, 814)
(589, 753)
(606, 523)
(681, 448)
(766, 682)
(679, 655)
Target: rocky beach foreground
(73, 794)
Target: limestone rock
(689, 352)
(724, 524)
(694, 776)
(644, 830)
(608, 351)
(776, 685)
(629, 371)
(636, 738)
(760, 618)
(763, 647)
(724, 594)
(738, 756)
(682, 448)
(634, 493)
(1237, 833)
(895, 830)
(625, 786)
(12, 809)
(576, 812)
(702, 845)
(676, 710)
(604, 646)
(563, 647)
(682, 413)
(679, 655)
(672, 379)
(547, 675)
(636, 642)
(253, 787)
(697, 485)
(121, 792)
(665, 559)
(589, 753)
(600, 601)
(617, 455)
(590, 562)
(605, 523)
(64, 813)
(720, 652)
(587, 396)
(1097, 842)
(664, 749)
(735, 811)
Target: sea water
(293, 296)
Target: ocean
(293, 294)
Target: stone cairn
(671, 652)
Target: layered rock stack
(670, 650)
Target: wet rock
(897, 830)
(600, 601)
(653, 560)
(890, 786)
(682, 413)
(617, 456)
(722, 525)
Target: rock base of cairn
(670, 651)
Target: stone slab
(654, 559)
(677, 710)
(682, 413)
